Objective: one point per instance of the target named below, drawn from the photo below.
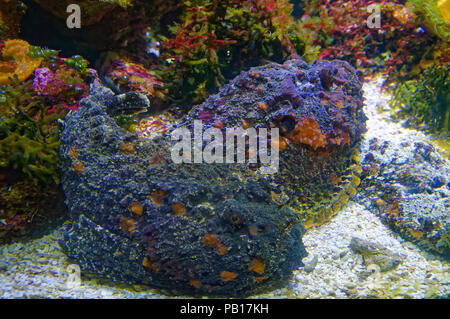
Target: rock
(122, 26)
(210, 229)
(416, 204)
(375, 254)
(10, 18)
(311, 264)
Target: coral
(60, 87)
(29, 110)
(154, 126)
(128, 76)
(16, 51)
(425, 101)
(37, 89)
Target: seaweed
(215, 40)
(433, 17)
(28, 133)
(400, 48)
(37, 90)
(425, 101)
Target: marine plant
(29, 109)
(37, 89)
(29, 146)
(425, 101)
(215, 40)
(29, 133)
(128, 76)
(400, 44)
(434, 15)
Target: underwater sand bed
(37, 269)
(341, 273)
(405, 179)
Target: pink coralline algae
(53, 86)
(131, 76)
(46, 82)
(153, 126)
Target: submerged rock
(405, 184)
(375, 254)
(311, 264)
(214, 229)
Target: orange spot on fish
(257, 265)
(228, 276)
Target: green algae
(430, 14)
(214, 41)
(29, 137)
(425, 100)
